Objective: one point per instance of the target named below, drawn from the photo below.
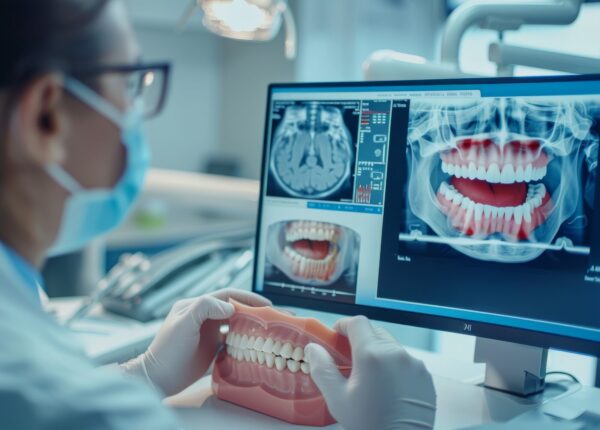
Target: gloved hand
(387, 388)
(188, 340)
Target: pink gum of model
(275, 383)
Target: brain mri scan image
(312, 151)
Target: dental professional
(73, 95)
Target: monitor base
(512, 367)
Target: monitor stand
(512, 367)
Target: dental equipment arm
(387, 388)
(503, 15)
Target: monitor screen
(456, 204)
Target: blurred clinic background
(207, 144)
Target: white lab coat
(46, 382)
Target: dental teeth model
(263, 367)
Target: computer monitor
(459, 205)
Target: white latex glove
(387, 389)
(188, 340)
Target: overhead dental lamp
(258, 20)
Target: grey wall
(187, 131)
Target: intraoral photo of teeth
(501, 179)
(312, 146)
(305, 253)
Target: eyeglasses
(149, 82)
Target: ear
(38, 122)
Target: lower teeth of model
(273, 354)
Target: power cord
(567, 374)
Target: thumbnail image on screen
(501, 179)
(313, 149)
(312, 256)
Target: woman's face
(94, 154)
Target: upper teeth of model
(268, 352)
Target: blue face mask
(89, 213)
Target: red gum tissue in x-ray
(263, 365)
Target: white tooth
(305, 367)
(251, 341)
(543, 172)
(536, 201)
(270, 360)
(518, 214)
(298, 353)
(494, 211)
(260, 356)
(542, 189)
(244, 342)
(464, 171)
(472, 170)
(501, 211)
(508, 174)
(247, 355)
(228, 349)
(519, 174)
(253, 355)
(487, 210)
(450, 168)
(527, 173)
(508, 212)
(457, 199)
(493, 173)
(268, 346)
(527, 212)
(228, 339)
(444, 167)
(481, 173)
(448, 193)
(465, 203)
(478, 211)
(287, 350)
(239, 355)
(277, 348)
(279, 363)
(258, 343)
(237, 339)
(293, 366)
(469, 213)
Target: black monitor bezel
(449, 324)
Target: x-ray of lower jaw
(312, 253)
(503, 179)
(313, 151)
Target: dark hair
(37, 36)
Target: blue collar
(26, 271)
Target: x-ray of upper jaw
(496, 179)
(312, 151)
